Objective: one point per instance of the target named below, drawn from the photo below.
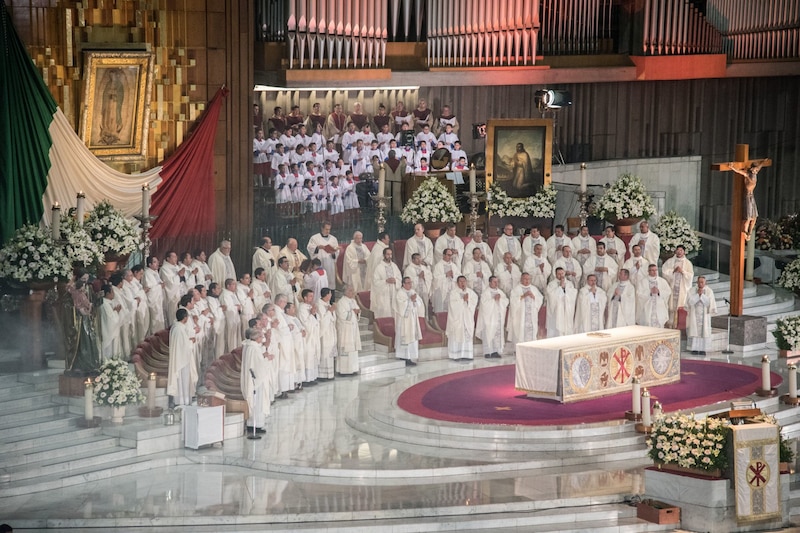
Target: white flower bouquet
(790, 277)
(431, 202)
(117, 385)
(80, 249)
(674, 230)
(30, 255)
(108, 227)
(787, 333)
(684, 441)
(542, 204)
(626, 198)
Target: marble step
(21, 442)
(25, 401)
(7, 380)
(379, 363)
(38, 425)
(49, 376)
(15, 417)
(13, 390)
(59, 466)
(57, 447)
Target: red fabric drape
(184, 202)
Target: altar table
(591, 365)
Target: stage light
(478, 131)
(551, 99)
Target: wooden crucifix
(743, 216)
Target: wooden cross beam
(742, 218)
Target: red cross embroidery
(622, 373)
(757, 470)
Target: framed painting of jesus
(519, 155)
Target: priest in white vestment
(284, 347)
(232, 308)
(316, 279)
(182, 374)
(421, 278)
(701, 306)
(354, 268)
(449, 241)
(299, 335)
(154, 290)
(385, 284)
(445, 274)
(408, 310)
(538, 267)
(590, 310)
(477, 272)
(266, 256)
(348, 334)
(636, 264)
(561, 298)
(491, 325)
(478, 242)
(171, 273)
(602, 266)
(533, 238)
(307, 313)
(128, 305)
(326, 311)
(245, 294)
(262, 295)
(525, 301)
(221, 264)
(508, 273)
(615, 247)
(110, 311)
(284, 281)
(324, 246)
(507, 242)
(376, 257)
(295, 258)
(420, 244)
(204, 275)
(621, 302)
(556, 241)
(141, 315)
(217, 315)
(255, 379)
(679, 273)
(572, 267)
(461, 321)
(584, 245)
(652, 299)
(649, 242)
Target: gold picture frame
(116, 104)
(519, 155)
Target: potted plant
(674, 230)
(116, 235)
(431, 202)
(625, 203)
(790, 277)
(684, 444)
(787, 335)
(117, 386)
(31, 257)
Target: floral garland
(80, 249)
(626, 198)
(690, 443)
(431, 202)
(117, 385)
(674, 230)
(108, 227)
(787, 333)
(30, 255)
(542, 204)
(790, 277)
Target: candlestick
(55, 222)
(792, 381)
(146, 200)
(81, 210)
(472, 182)
(766, 382)
(151, 391)
(636, 396)
(583, 177)
(646, 420)
(88, 400)
(381, 181)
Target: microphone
(726, 301)
(253, 374)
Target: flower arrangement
(787, 333)
(117, 385)
(542, 204)
(30, 255)
(684, 441)
(790, 277)
(626, 198)
(80, 249)
(772, 235)
(431, 202)
(108, 227)
(673, 230)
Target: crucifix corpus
(743, 216)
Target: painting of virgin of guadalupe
(519, 155)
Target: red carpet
(488, 396)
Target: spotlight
(478, 131)
(550, 99)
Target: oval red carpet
(488, 396)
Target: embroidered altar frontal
(590, 365)
(757, 483)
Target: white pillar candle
(88, 400)
(646, 421)
(792, 381)
(145, 200)
(473, 187)
(658, 411)
(766, 383)
(381, 181)
(583, 177)
(55, 221)
(81, 210)
(151, 391)
(636, 396)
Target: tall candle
(766, 382)
(55, 222)
(88, 400)
(646, 421)
(381, 181)
(81, 211)
(472, 182)
(636, 396)
(145, 200)
(792, 381)
(583, 177)
(151, 391)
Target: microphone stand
(727, 349)
(254, 436)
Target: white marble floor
(322, 464)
